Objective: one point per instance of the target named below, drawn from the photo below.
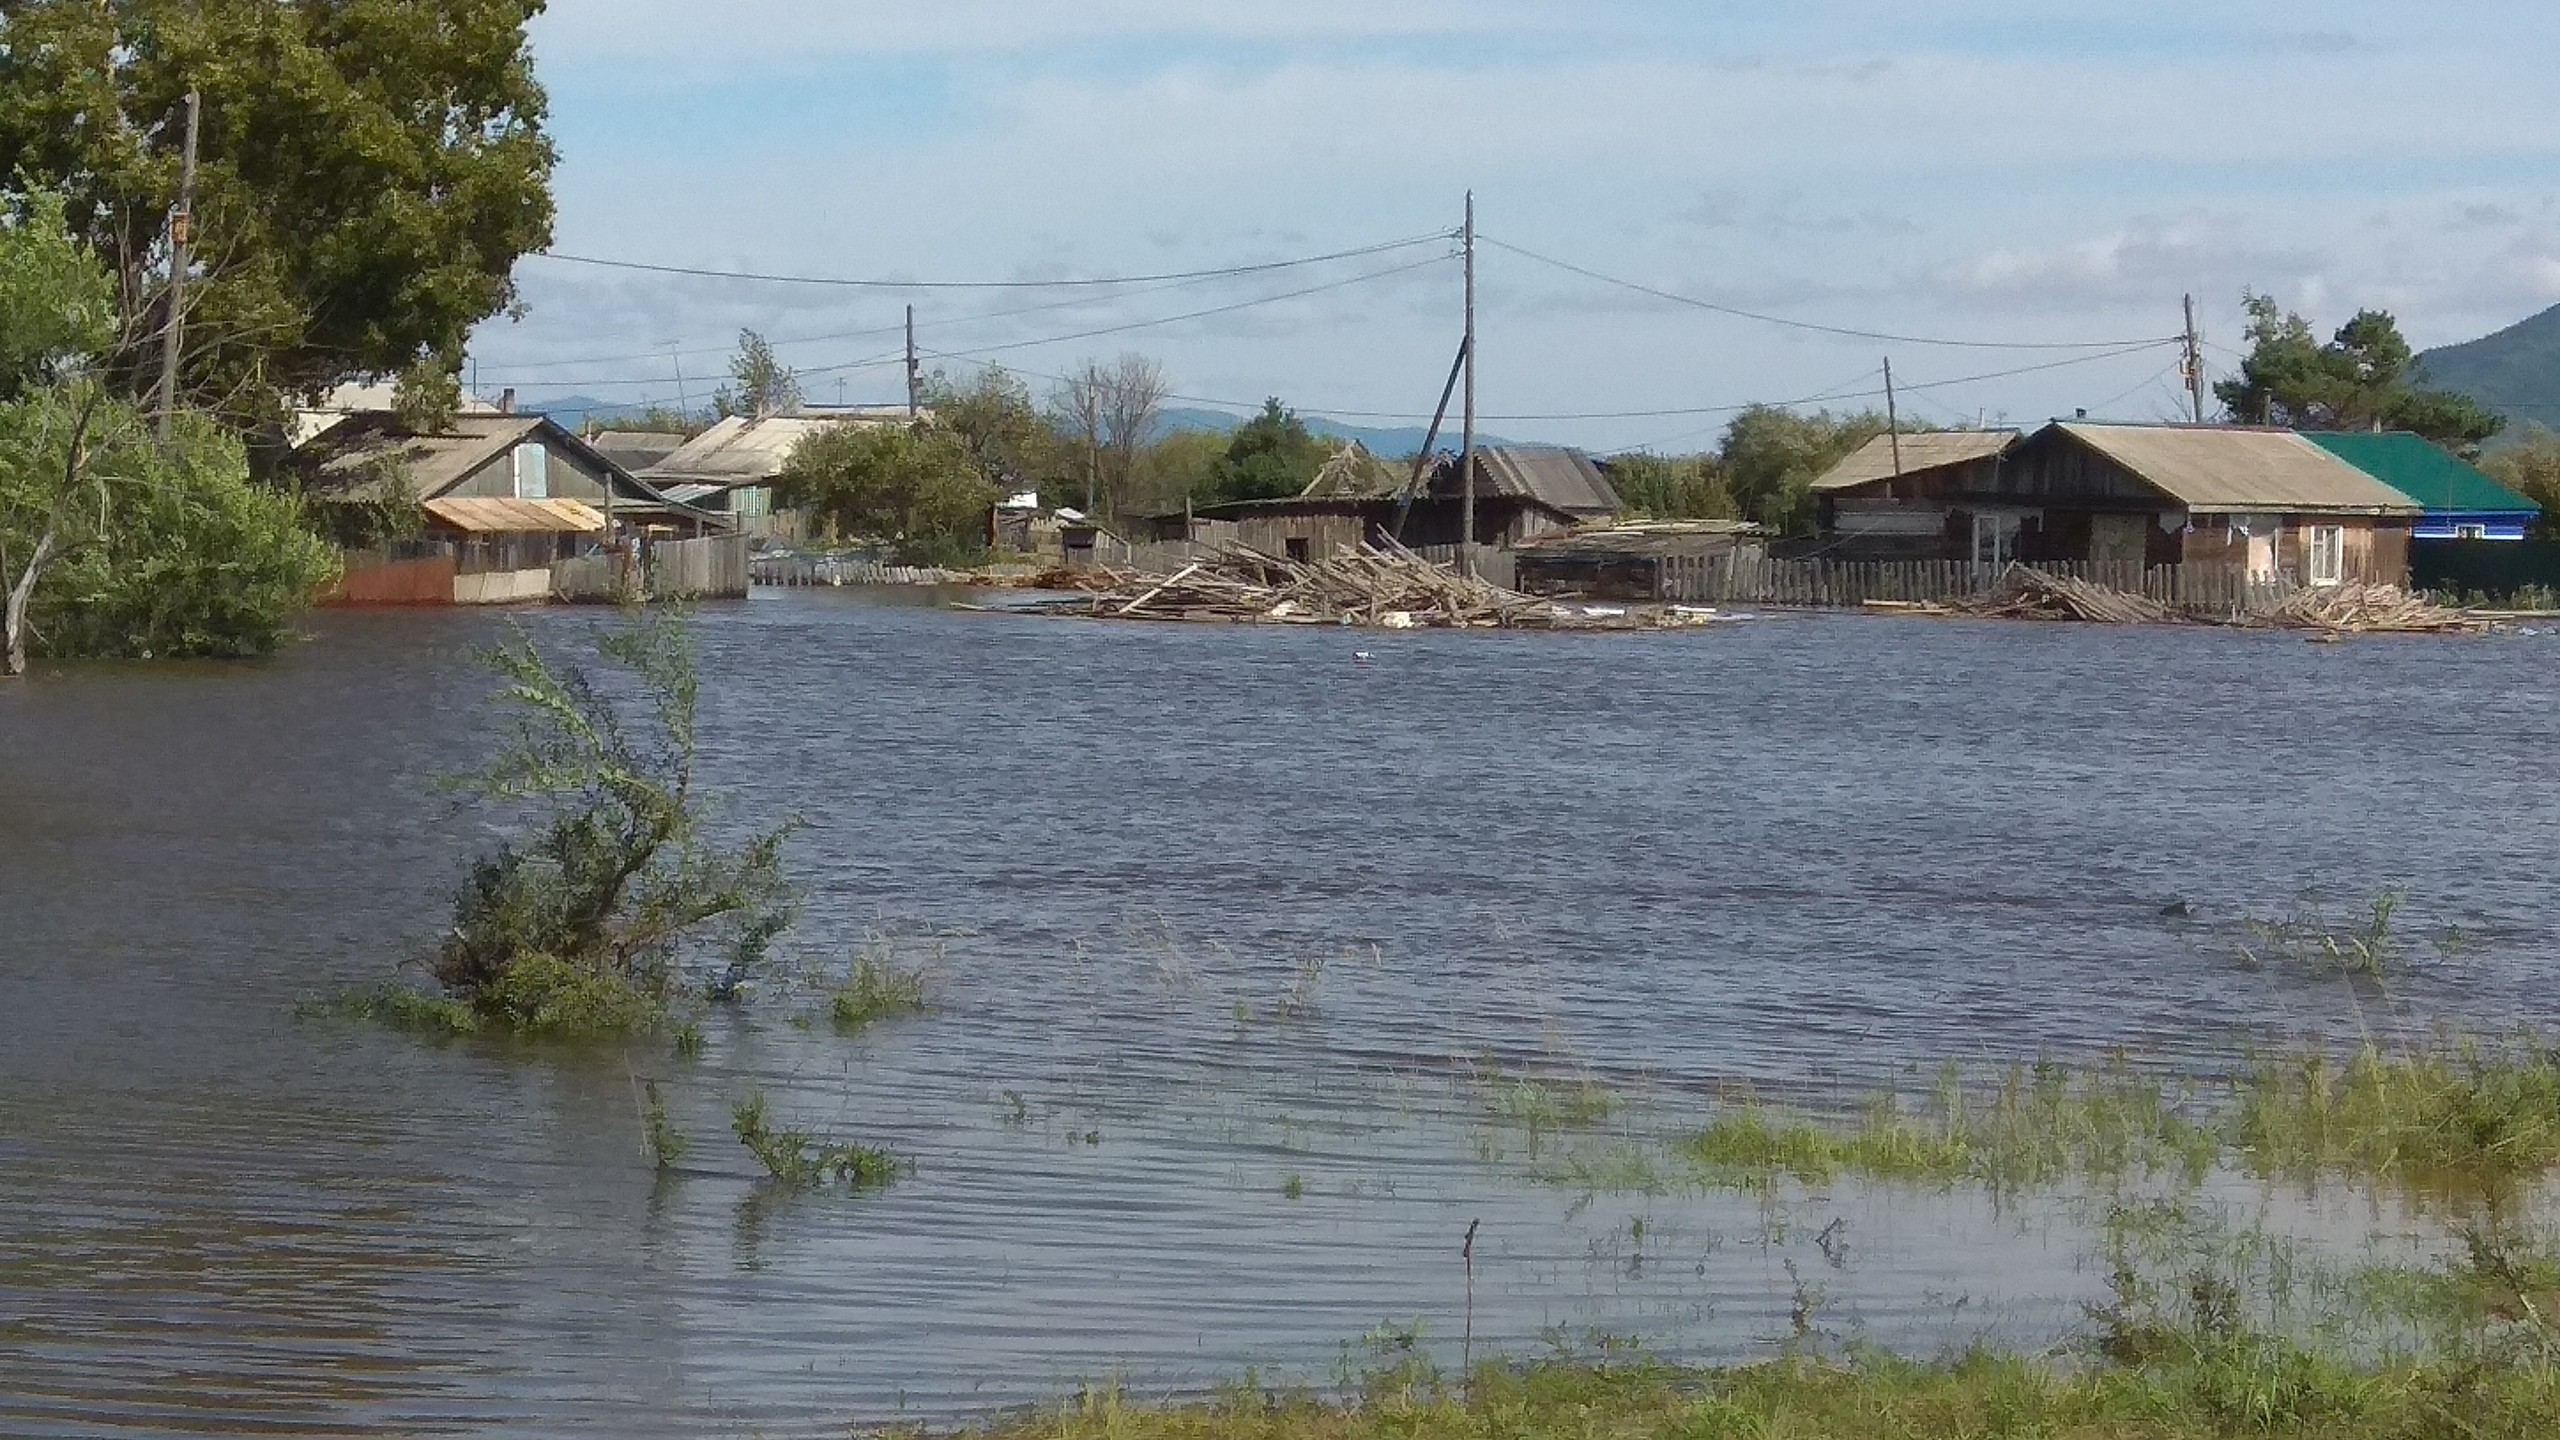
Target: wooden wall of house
(571, 478)
(1319, 534)
(2376, 549)
(2054, 468)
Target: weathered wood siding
(571, 478)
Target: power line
(952, 322)
(1120, 329)
(1083, 283)
(1849, 333)
(1411, 415)
(1195, 314)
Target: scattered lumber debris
(1386, 587)
(2024, 594)
(2365, 610)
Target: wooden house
(2247, 503)
(730, 469)
(1522, 492)
(500, 498)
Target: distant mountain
(2515, 372)
(574, 411)
(1390, 443)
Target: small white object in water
(1361, 657)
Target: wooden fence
(711, 568)
(1493, 566)
(1741, 578)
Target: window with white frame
(533, 473)
(2470, 532)
(2328, 554)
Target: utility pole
(1892, 417)
(181, 221)
(915, 376)
(1467, 432)
(2194, 362)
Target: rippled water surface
(1215, 911)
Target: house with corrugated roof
(730, 469)
(2461, 501)
(1522, 492)
(2250, 503)
(502, 495)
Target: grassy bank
(2236, 1391)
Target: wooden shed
(1640, 561)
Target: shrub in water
(581, 928)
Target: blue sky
(2008, 171)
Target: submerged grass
(2459, 1114)
(2459, 1109)
(878, 988)
(2041, 1124)
(803, 1161)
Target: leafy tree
(1771, 457)
(760, 384)
(914, 488)
(1673, 487)
(1269, 457)
(110, 542)
(1006, 436)
(370, 174)
(2531, 467)
(2359, 380)
(1181, 466)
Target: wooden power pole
(1467, 425)
(2194, 362)
(1892, 417)
(915, 376)
(181, 221)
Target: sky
(2010, 174)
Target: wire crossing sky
(1697, 205)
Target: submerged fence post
(1467, 1346)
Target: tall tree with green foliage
(2531, 468)
(759, 383)
(912, 488)
(112, 543)
(370, 174)
(1007, 437)
(2358, 380)
(1673, 487)
(1771, 456)
(1269, 457)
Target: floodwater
(1216, 916)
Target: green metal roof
(2426, 473)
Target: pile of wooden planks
(2365, 610)
(2024, 594)
(1388, 587)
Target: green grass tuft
(803, 1161)
(877, 989)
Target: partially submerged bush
(804, 1161)
(879, 988)
(581, 927)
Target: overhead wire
(1820, 329)
(937, 323)
(1084, 282)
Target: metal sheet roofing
(743, 451)
(2226, 471)
(2426, 473)
(1873, 461)
(486, 516)
(1564, 479)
